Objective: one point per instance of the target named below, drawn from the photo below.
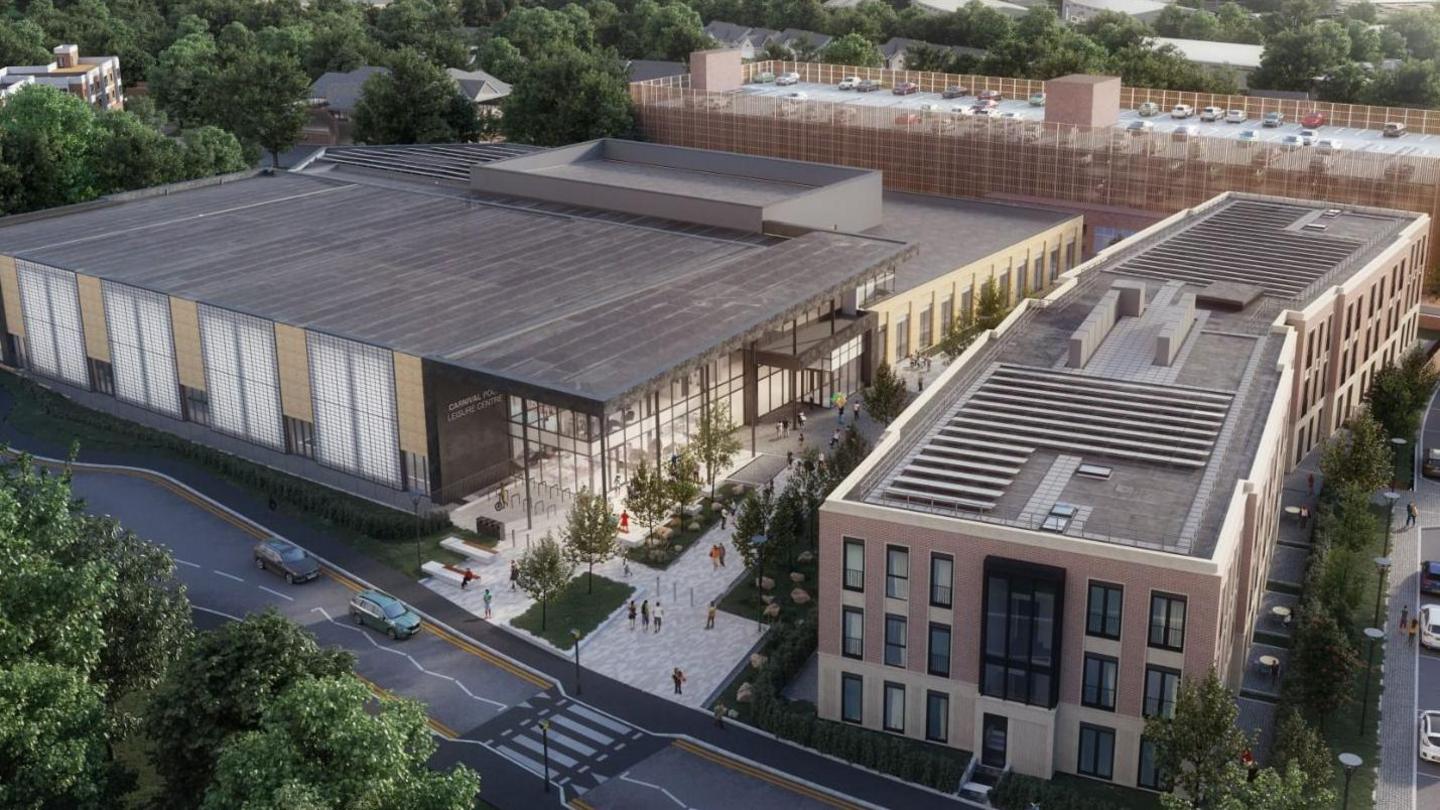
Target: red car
(905, 88)
(989, 95)
(908, 120)
(1313, 119)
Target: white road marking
(626, 777)
(227, 576)
(220, 613)
(185, 562)
(286, 597)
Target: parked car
(1430, 577)
(383, 612)
(983, 111)
(1211, 114)
(1184, 132)
(990, 95)
(1037, 99)
(1393, 129)
(1308, 136)
(1329, 146)
(798, 95)
(905, 88)
(765, 78)
(1182, 111)
(1010, 114)
(955, 91)
(1429, 618)
(963, 109)
(867, 86)
(286, 559)
(1273, 119)
(1430, 467)
(1313, 119)
(908, 119)
(1430, 736)
(1249, 135)
(1137, 127)
(1148, 109)
(849, 83)
(787, 79)
(930, 108)
(1292, 141)
(1235, 117)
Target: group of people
(1409, 625)
(646, 614)
(782, 428)
(717, 556)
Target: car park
(1182, 111)
(1329, 145)
(1010, 114)
(1430, 577)
(1037, 99)
(848, 83)
(1430, 467)
(1429, 620)
(1185, 132)
(787, 79)
(1148, 109)
(984, 112)
(1137, 127)
(1235, 117)
(963, 109)
(955, 91)
(990, 95)
(1273, 119)
(1313, 120)
(383, 612)
(1248, 135)
(1430, 736)
(1393, 129)
(867, 86)
(286, 559)
(905, 88)
(930, 108)
(1211, 114)
(1308, 136)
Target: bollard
(657, 584)
(692, 597)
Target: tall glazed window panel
(54, 337)
(240, 372)
(142, 350)
(353, 388)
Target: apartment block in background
(93, 78)
(1082, 509)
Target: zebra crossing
(585, 747)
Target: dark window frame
(845, 570)
(948, 587)
(904, 642)
(1098, 732)
(885, 707)
(930, 649)
(845, 612)
(1160, 783)
(1103, 662)
(1155, 706)
(1109, 591)
(1040, 680)
(1165, 626)
(846, 679)
(930, 696)
(890, 578)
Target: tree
(1361, 456)
(1200, 741)
(566, 97)
(787, 523)
(1346, 519)
(415, 102)
(1323, 665)
(1414, 83)
(962, 332)
(1294, 58)
(264, 100)
(751, 521)
(543, 572)
(1298, 743)
(927, 58)
(22, 42)
(993, 306)
(219, 687)
(47, 135)
(183, 79)
(52, 738)
(715, 443)
(848, 454)
(433, 29)
(589, 533)
(670, 31)
(682, 480)
(885, 398)
(1270, 789)
(852, 49)
(128, 154)
(319, 746)
(647, 497)
(210, 151)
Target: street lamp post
(545, 749)
(1374, 634)
(1382, 564)
(416, 501)
(1392, 497)
(1350, 762)
(575, 634)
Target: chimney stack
(67, 56)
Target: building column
(525, 459)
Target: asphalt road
(1427, 662)
(487, 711)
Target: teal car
(384, 613)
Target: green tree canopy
(543, 572)
(1323, 665)
(52, 738)
(264, 100)
(715, 443)
(589, 533)
(647, 497)
(1361, 456)
(415, 102)
(885, 398)
(1200, 742)
(319, 746)
(566, 97)
(852, 49)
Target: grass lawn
(574, 608)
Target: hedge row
(1019, 792)
(339, 509)
(907, 759)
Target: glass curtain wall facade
(142, 348)
(54, 337)
(243, 385)
(352, 387)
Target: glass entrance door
(993, 733)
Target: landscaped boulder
(806, 556)
(766, 598)
(767, 584)
(664, 532)
(799, 596)
(745, 693)
(772, 610)
(797, 577)
(692, 526)
(756, 660)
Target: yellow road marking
(385, 694)
(580, 804)
(749, 770)
(467, 646)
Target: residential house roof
(1205, 52)
(478, 86)
(341, 91)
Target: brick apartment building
(96, 79)
(1081, 510)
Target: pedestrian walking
(710, 617)
(645, 615)
(1411, 513)
(720, 715)
(659, 615)
(855, 409)
(722, 555)
(625, 565)
(632, 611)
(1404, 618)
(789, 458)
(488, 597)
(1413, 629)
(800, 417)
(466, 578)
(624, 521)
(834, 438)
(678, 676)
(1304, 516)
(779, 432)
(802, 442)
(514, 573)
(920, 383)
(1275, 672)
(714, 557)
(724, 518)
(784, 428)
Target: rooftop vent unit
(1313, 226)
(1099, 471)
(1331, 213)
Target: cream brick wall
(410, 404)
(92, 317)
(10, 294)
(293, 362)
(189, 359)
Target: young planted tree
(543, 572)
(787, 522)
(848, 454)
(1348, 521)
(1200, 741)
(993, 306)
(715, 443)
(752, 520)
(647, 498)
(1323, 665)
(962, 332)
(682, 481)
(589, 534)
(1298, 743)
(885, 398)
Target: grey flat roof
(588, 304)
(951, 233)
(676, 180)
(1003, 438)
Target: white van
(1211, 114)
(1182, 111)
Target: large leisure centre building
(434, 322)
(1083, 509)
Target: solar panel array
(974, 456)
(443, 161)
(1245, 242)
